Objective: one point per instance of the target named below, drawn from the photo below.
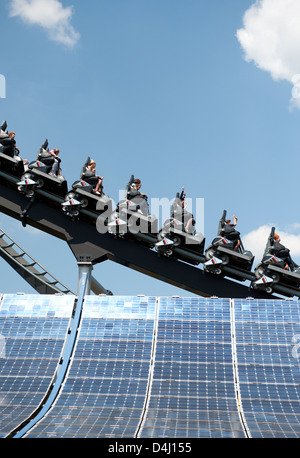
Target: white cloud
(51, 15)
(256, 240)
(271, 39)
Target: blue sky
(167, 90)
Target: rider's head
(137, 183)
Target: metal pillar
(85, 268)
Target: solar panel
(105, 389)
(32, 330)
(192, 391)
(268, 366)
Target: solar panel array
(152, 367)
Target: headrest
(3, 126)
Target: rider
(51, 159)
(179, 212)
(137, 196)
(284, 253)
(12, 135)
(55, 170)
(89, 175)
(8, 144)
(230, 233)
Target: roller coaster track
(26, 266)
(34, 273)
(88, 245)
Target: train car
(37, 176)
(82, 197)
(274, 269)
(179, 231)
(10, 162)
(132, 217)
(221, 252)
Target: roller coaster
(129, 235)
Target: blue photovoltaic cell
(32, 333)
(153, 367)
(268, 366)
(192, 392)
(105, 389)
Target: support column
(85, 268)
